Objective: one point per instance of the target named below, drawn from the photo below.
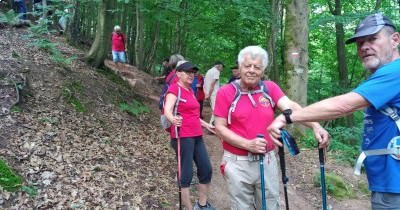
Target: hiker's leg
(271, 183)
(187, 149)
(123, 60)
(240, 177)
(212, 103)
(186, 197)
(385, 201)
(115, 58)
(204, 169)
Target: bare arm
(170, 100)
(320, 133)
(327, 109)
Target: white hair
(254, 52)
(174, 59)
(117, 28)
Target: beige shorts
(244, 181)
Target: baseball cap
(184, 66)
(234, 67)
(371, 24)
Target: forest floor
(103, 158)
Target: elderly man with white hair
(240, 129)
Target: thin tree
(102, 42)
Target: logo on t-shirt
(263, 101)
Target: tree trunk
(102, 42)
(341, 55)
(296, 52)
(272, 69)
(139, 40)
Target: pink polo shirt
(189, 108)
(247, 121)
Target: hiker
(119, 47)
(192, 146)
(164, 71)
(211, 85)
(239, 130)
(21, 8)
(377, 46)
(199, 89)
(235, 74)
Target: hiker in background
(118, 42)
(254, 112)
(211, 85)
(190, 133)
(235, 74)
(173, 61)
(164, 71)
(21, 8)
(377, 46)
(200, 91)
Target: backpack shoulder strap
(264, 91)
(170, 79)
(236, 84)
(392, 113)
(176, 108)
(236, 98)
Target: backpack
(263, 89)
(164, 91)
(165, 123)
(393, 148)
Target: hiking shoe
(207, 207)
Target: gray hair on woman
(174, 59)
(254, 52)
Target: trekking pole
(322, 167)
(285, 179)
(264, 203)
(291, 144)
(178, 138)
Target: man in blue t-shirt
(377, 46)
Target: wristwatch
(287, 113)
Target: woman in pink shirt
(192, 147)
(118, 45)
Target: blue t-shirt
(381, 89)
(194, 83)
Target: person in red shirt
(192, 147)
(118, 45)
(252, 116)
(200, 92)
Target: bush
(135, 108)
(8, 179)
(335, 185)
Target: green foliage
(344, 144)
(335, 185)
(8, 179)
(9, 17)
(30, 189)
(69, 93)
(135, 108)
(16, 108)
